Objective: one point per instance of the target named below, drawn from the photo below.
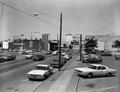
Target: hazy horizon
(87, 17)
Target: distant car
(28, 56)
(95, 70)
(56, 64)
(1, 51)
(38, 57)
(117, 57)
(66, 56)
(55, 52)
(1, 60)
(48, 52)
(106, 54)
(40, 72)
(8, 57)
(92, 58)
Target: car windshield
(41, 67)
(92, 67)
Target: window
(99, 68)
(41, 68)
(92, 67)
(103, 68)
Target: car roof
(97, 64)
(42, 65)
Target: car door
(98, 71)
(104, 70)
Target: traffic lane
(86, 84)
(10, 80)
(16, 63)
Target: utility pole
(60, 41)
(80, 47)
(31, 42)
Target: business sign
(5, 45)
(69, 37)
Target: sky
(79, 17)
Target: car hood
(86, 69)
(37, 72)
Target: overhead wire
(32, 15)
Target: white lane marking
(2, 74)
(100, 89)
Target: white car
(55, 52)
(28, 56)
(95, 70)
(40, 72)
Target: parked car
(48, 52)
(55, 52)
(38, 57)
(1, 60)
(28, 56)
(8, 57)
(117, 57)
(106, 53)
(66, 56)
(56, 64)
(40, 72)
(92, 58)
(95, 70)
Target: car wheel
(89, 75)
(108, 74)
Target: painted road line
(100, 89)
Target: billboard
(5, 45)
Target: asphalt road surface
(14, 74)
(97, 84)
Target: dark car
(38, 57)
(105, 54)
(92, 58)
(117, 57)
(56, 64)
(8, 57)
(1, 60)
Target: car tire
(89, 75)
(108, 74)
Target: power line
(27, 13)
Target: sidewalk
(61, 83)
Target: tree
(116, 44)
(90, 45)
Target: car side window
(103, 68)
(99, 68)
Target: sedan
(38, 57)
(92, 58)
(95, 70)
(40, 72)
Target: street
(15, 80)
(14, 73)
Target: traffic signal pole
(60, 41)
